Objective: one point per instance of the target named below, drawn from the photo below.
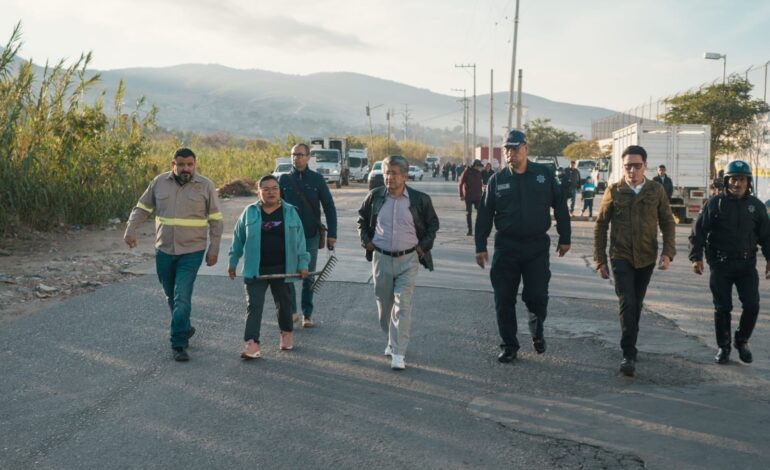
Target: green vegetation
(583, 150)
(66, 161)
(728, 109)
(545, 140)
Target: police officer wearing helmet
(518, 200)
(729, 228)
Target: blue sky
(615, 54)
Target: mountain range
(209, 98)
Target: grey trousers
(394, 280)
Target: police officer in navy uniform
(729, 227)
(518, 199)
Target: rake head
(325, 273)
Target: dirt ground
(38, 269)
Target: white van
(358, 164)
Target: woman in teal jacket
(270, 238)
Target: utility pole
(473, 141)
(518, 105)
(513, 65)
(387, 116)
(465, 123)
(369, 110)
(406, 120)
(491, 115)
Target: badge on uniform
(752, 209)
(540, 179)
(504, 186)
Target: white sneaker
(388, 351)
(397, 362)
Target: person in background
(270, 238)
(486, 173)
(587, 195)
(570, 184)
(469, 186)
(665, 180)
(187, 219)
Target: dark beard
(182, 178)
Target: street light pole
(718, 56)
(513, 65)
(371, 132)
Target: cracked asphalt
(89, 382)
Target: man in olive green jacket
(635, 207)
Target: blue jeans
(176, 274)
(307, 294)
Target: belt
(732, 255)
(395, 254)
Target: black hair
(307, 149)
(266, 178)
(635, 150)
(184, 152)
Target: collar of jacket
(625, 187)
(380, 193)
(195, 179)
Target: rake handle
(283, 276)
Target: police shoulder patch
(752, 208)
(540, 179)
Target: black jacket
(668, 185)
(421, 207)
(731, 228)
(520, 206)
(313, 185)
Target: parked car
(282, 169)
(415, 173)
(375, 178)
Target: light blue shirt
(395, 230)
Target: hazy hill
(259, 103)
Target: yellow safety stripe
(215, 216)
(143, 207)
(182, 222)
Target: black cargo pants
(743, 274)
(630, 286)
(512, 262)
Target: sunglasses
(635, 166)
(298, 154)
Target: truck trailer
(683, 149)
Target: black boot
(723, 356)
(744, 353)
(508, 355)
(539, 345)
(628, 366)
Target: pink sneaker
(286, 340)
(251, 350)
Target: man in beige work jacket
(187, 218)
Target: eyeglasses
(299, 155)
(635, 166)
(269, 189)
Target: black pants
(630, 286)
(255, 302)
(743, 274)
(469, 206)
(513, 261)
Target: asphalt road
(90, 383)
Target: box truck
(683, 149)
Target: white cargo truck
(684, 149)
(332, 159)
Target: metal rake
(321, 276)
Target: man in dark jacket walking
(729, 227)
(307, 190)
(570, 184)
(397, 226)
(470, 191)
(518, 200)
(665, 180)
